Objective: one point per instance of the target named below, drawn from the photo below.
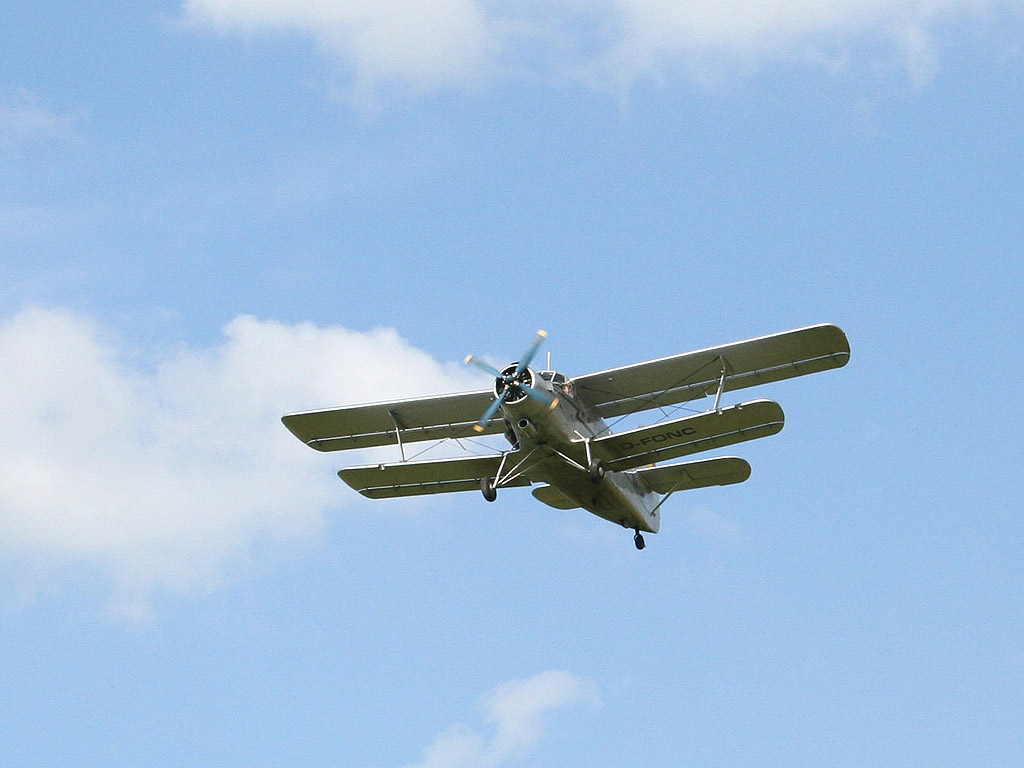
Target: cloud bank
(517, 713)
(602, 42)
(166, 471)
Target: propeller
(514, 383)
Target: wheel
(487, 489)
(596, 470)
(639, 540)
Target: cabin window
(559, 380)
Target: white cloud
(518, 713)
(605, 42)
(25, 120)
(167, 471)
(699, 33)
(405, 41)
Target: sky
(215, 212)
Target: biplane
(559, 439)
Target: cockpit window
(554, 377)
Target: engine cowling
(509, 383)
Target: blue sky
(213, 212)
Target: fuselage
(554, 449)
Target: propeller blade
(491, 410)
(540, 396)
(525, 361)
(485, 367)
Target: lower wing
(417, 478)
(690, 434)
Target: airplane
(560, 440)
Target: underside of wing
(689, 475)
(366, 426)
(692, 375)
(691, 434)
(416, 478)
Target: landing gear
(596, 470)
(488, 489)
(639, 540)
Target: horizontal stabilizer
(417, 478)
(553, 497)
(670, 478)
(691, 434)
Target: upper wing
(415, 478)
(422, 418)
(691, 375)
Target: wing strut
(721, 384)
(399, 426)
(515, 472)
(587, 441)
(668, 495)
(679, 482)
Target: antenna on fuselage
(549, 361)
